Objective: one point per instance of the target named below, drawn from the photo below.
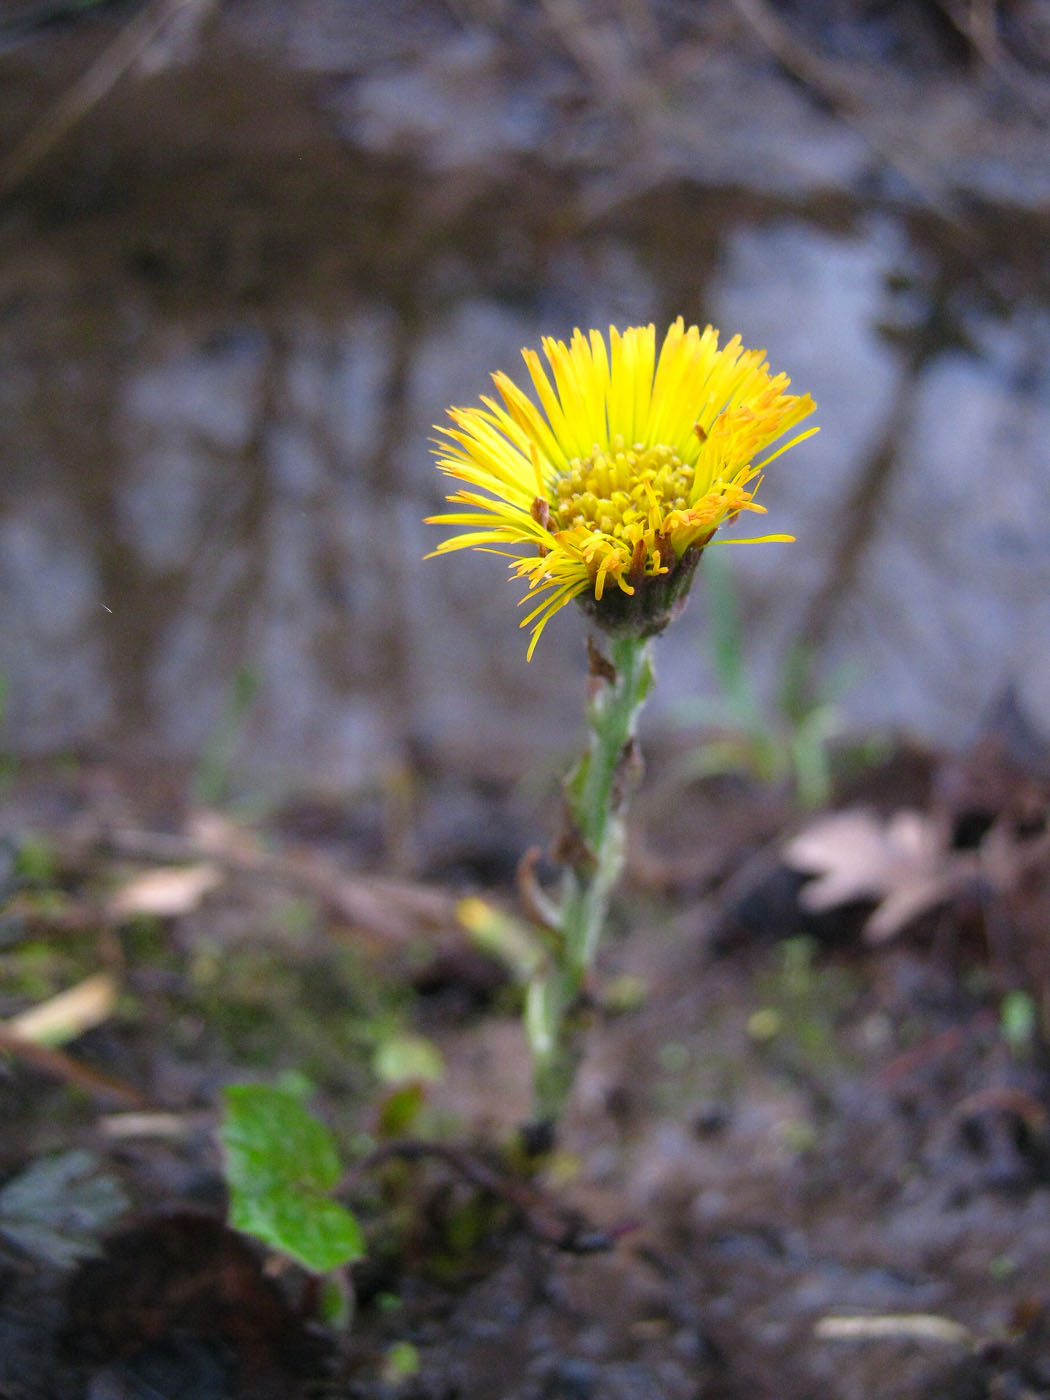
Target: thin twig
(932, 1051)
(860, 516)
(549, 1222)
(977, 27)
(90, 88)
(1015, 1103)
(62, 1066)
(799, 60)
(910, 1327)
(394, 909)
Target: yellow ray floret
(625, 462)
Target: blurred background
(251, 251)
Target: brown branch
(977, 26)
(62, 1066)
(393, 909)
(548, 1221)
(91, 88)
(836, 90)
(860, 514)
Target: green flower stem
(596, 794)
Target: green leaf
(404, 1058)
(402, 1362)
(281, 1165)
(1019, 1021)
(400, 1110)
(270, 1137)
(317, 1232)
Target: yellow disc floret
(624, 472)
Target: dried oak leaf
(903, 864)
(166, 891)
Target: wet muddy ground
(799, 1161)
(253, 749)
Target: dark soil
(797, 1164)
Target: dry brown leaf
(903, 864)
(63, 1017)
(1008, 861)
(174, 1127)
(914, 1327)
(397, 910)
(222, 838)
(166, 891)
(855, 855)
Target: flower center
(610, 491)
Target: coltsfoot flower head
(623, 473)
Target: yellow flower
(622, 475)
